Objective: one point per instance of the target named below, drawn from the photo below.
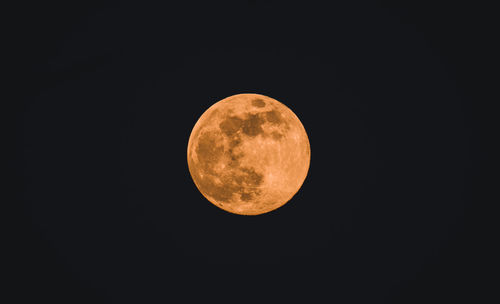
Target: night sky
(111, 92)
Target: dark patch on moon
(231, 125)
(234, 158)
(246, 196)
(234, 141)
(252, 126)
(273, 117)
(252, 178)
(207, 150)
(259, 103)
(276, 135)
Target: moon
(248, 154)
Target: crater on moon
(248, 154)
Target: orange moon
(248, 154)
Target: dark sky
(111, 92)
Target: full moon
(248, 154)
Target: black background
(111, 91)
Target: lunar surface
(248, 154)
